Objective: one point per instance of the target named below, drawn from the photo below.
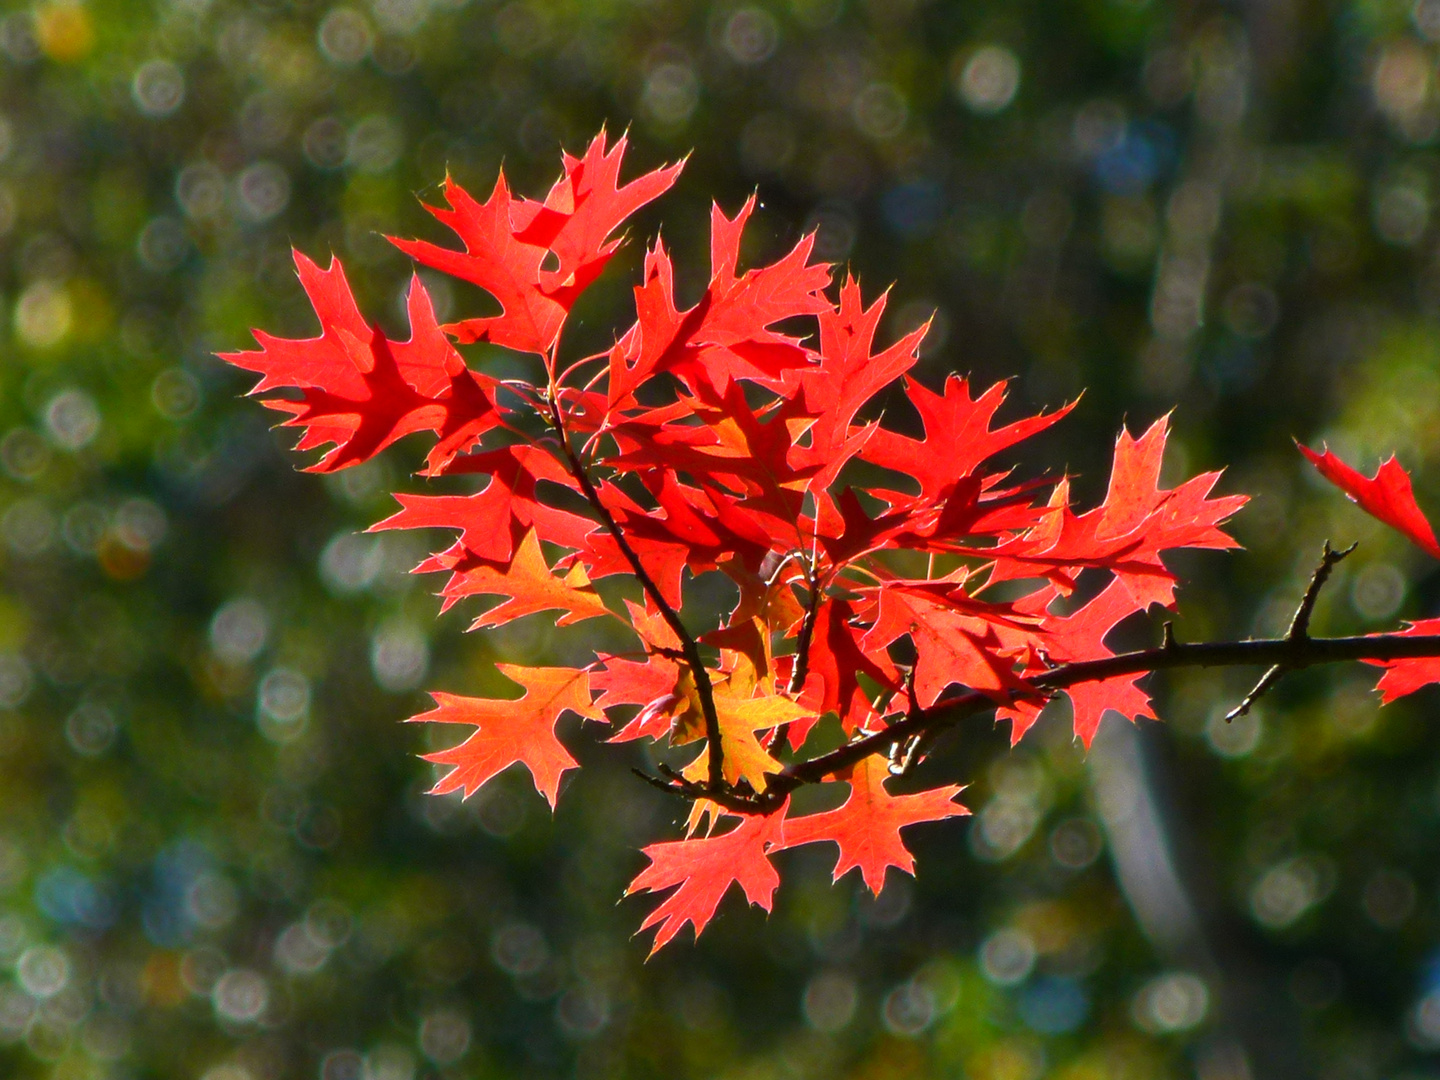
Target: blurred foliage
(216, 859)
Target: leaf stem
(807, 629)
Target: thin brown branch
(1262, 687)
(904, 755)
(1329, 558)
(1292, 653)
(802, 644)
(716, 787)
(740, 800)
(807, 629)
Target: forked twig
(1299, 630)
(903, 755)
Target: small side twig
(1300, 624)
(801, 669)
(1262, 687)
(807, 630)
(1299, 630)
(904, 754)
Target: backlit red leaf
(510, 241)
(867, 827)
(360, 391)
(704, 868)
(1406, 676)
(1386, 496)
(528, 585)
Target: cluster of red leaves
(876, 570)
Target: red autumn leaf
(508, 731)
(836, 658)
(587, 205)
(486, 519)
(508, 241)
(1136, 506)
(728, 334)
(1077, 637)
(847, 375)
(958, 435)
(846, 531)
(952, 645)
(360, 391)
(1130, 531)
(663, 556)
(493, 520)
(1386, 496)
(867, 827)
(1406, 676)
(528, 585)
(705, 868)
(324, 362)
(650, 682)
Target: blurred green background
(216, 860)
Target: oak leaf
(510, 731)
(1406, 676)
(867, 826)
(509, 242)
(528, 586)
(704, 868)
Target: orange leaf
(529, 586)
(508, 731)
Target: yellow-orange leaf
(511, 730)
(529, 586)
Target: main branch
(1291, 654)
(689, 648)
(1297, 649)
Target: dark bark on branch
(1289, 653)
(807, 630)
(690, 650)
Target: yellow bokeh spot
(44, 314)
(161, 980)
(64, 30)
(1050, 925)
